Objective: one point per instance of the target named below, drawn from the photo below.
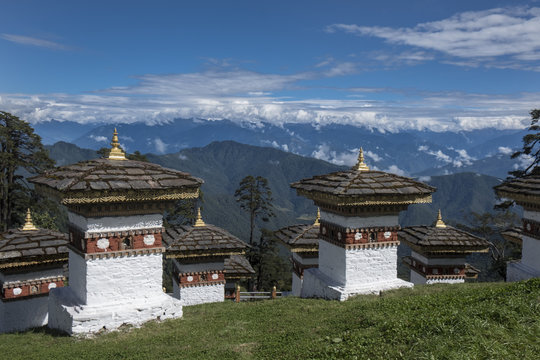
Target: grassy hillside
(467, 321)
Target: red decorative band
(24, 289)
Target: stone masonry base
(69, 315)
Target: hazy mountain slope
(457, 195)
(223, 164)
(409, 151)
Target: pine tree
(254, 196)
(21, 152)
(531, 147)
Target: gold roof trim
(29, 225)
(440, 223)
(361, 165)
(116, 153)
(199, 222)
(371, 200)
(85, 197)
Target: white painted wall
(517, 271)
(194, 295)
(360, 221)
(296, 285)
(416, 278)
(115, 223)
(20, 315)
(98, 281)
(332, 261)
(354, 267)
(371, 265)
(530, 253)
(67, 314)
(198, 267)
(438, 261)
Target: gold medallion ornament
(116, 153)
(361, 165)
(440, 223)
(29, 225)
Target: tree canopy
(531, 147)
(21, 154)
(254, 196)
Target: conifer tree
(21, 151)
(531, 147)
(254, 196)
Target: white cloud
(373, 156)
(217, 95)
(523, 162)
(424, 179)
(32, 41)
(99, 138)
(423, 148)
(480, 35)
(324, 152)
(182, 157)
(394, 169)
(463, 158)
(505, 150)
(439, 155)
(160, 146)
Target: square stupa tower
(526, 193)
(115, 209)
(358, 229)
(438, 253)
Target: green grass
(468, 321)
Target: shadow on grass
(48, 331)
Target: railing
(256, 295)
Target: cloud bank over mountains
(500, 38)
(242, 95)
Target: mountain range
(223, 164)
(417, 153)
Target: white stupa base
(23, 314)
(68, 314)
(195, 295)
(517, 271)
(317, 285)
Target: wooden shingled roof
(237, 266)
(433, 239)
(103, 180)
(523, 190)
(32, 247)
(203, 240)
(300, 238)
(361, 186)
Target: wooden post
(237, 295)
(273, 293)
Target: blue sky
(389, 65)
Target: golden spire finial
(439, 223)
(116, 153)
(361, 165)
(29, 225)
(317, 222)
(199, 222)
